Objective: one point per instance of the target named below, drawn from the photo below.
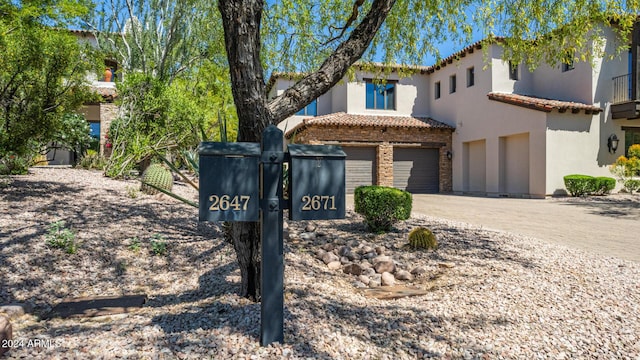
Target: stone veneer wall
(108, 112)
(384, 138)
(384, 157)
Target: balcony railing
(621, 88)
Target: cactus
(422, 238)
(158, 176)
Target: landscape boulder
(6, 333)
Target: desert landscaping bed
(489, 294)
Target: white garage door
(416, 170)
(360, 166)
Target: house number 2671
(317, 202)
(227, 202)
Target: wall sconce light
(612, 143)
(449, 154)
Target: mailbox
(316, 182)
(229, 180)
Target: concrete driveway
(608, 225)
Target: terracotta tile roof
(344, 119)
(462, 53)
(541, 104)
(396, 67)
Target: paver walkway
(608, 226)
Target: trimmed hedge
(382, 206)
(580, 185)
(604, 185)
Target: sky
(446, 48)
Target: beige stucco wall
(408, 100)
(339, 98)
(455, 108)
(572, 148)
(480, 121)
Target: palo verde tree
(43, 73)
(172, 61)
(322, 39)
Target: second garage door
(359, 166)
(416, 170)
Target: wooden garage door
(360, 166)
(416, 170)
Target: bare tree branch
(348, 23)
(334, 67)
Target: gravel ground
(505, 297)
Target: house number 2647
(227, 202)
(317, 202)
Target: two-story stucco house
(477, 124)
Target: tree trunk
(246, 242)
(241, 22)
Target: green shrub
(60, 237)
(158, 176)
(382, 206)
(158, 245)
(632, 185)
(604, 185)
(92, 160)
(134, 244)
(422, 238)
(579, 185)
(12, 163)
(634, 151)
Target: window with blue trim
(381, 96)
(309, 110)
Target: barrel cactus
(422, 238)
(158, 176)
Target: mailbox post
(271, 224)
(230, 179)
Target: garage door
(475, 166)
(416, 170)
(515, 164)
(360, 166)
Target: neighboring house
(98, 114)
(476, 124)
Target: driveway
(608, 225)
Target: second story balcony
(624, 105)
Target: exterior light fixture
(449, 154)
(612, 143)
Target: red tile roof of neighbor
(542, 104)
(344, 119)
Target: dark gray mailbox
(316, 182)
(229, 180)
